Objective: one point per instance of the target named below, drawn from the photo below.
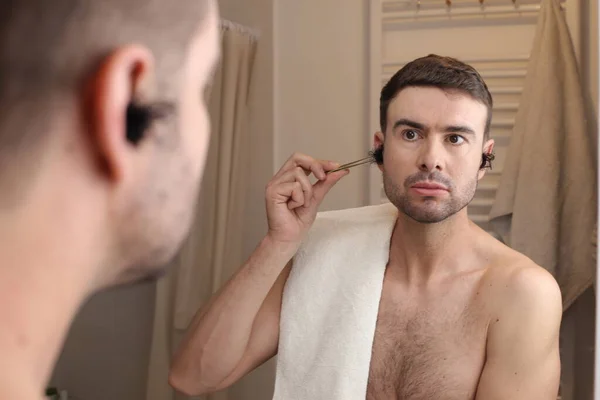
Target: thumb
(321, 188)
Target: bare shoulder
(524, 288)
(522, 344)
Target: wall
(107, 349)
(321, 88)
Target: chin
(426, 212)
(425, 216)
(428, 218)
(149, 253)
(139, 276)
(150, 267)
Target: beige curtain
(213, 249)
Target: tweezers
(366, 160)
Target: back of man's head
(49, 48)
(102, 99)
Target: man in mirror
(459, 315)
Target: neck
(423, 250)
(46, 273)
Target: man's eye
(456, 139)
(410, 135)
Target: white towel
(330, 305)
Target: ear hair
(377, 155)
(139, 118)
(486, 160)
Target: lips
(429, 185)
(429, 189)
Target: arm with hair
(523, 361)
(238, 329)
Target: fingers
(291, 184)
(298, 175)
(290, 193)
(321, 188)
(308, 164)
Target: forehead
(434, 107)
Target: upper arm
(264, 339)
(522, 355)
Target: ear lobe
(123, 76)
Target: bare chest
(430, 351)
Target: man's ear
(488, 149)
(123, 80)
(377, 152)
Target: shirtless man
(461, 315)
(103, 135)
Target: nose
(430, 156)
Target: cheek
(398, 165)
(200, 143)
(195, 130)
(464, 171)
(465, 159)
(401, 162)
(397, 155)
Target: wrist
(285, 248)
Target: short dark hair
(49, 47)
(445, 73)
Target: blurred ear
(123, 79)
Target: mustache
(433, 176)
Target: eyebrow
(408, 122)
(459, 129)
(448, 129)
